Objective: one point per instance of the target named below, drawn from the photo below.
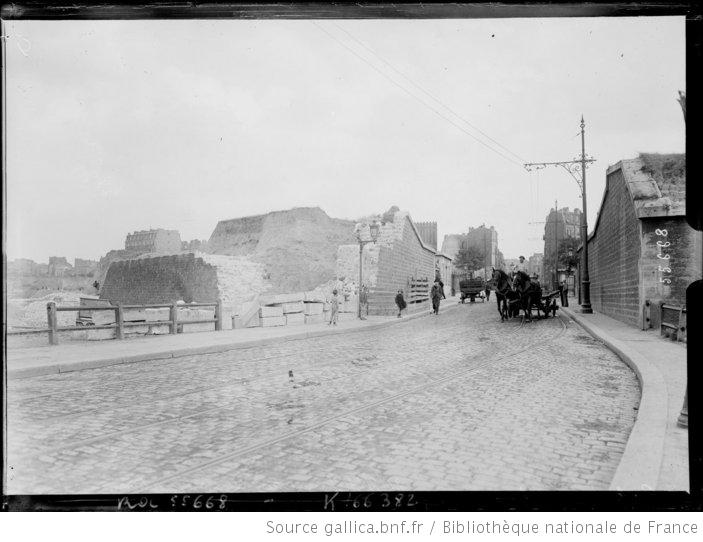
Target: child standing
(334, 308)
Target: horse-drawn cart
(472, 288)
(548, 303)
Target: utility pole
(573, 167)
(556, 245)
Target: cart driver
(520, 266)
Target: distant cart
(471, 289)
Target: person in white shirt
(520, 266)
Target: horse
(505, 295)
(530, 293)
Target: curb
(68, 367)
(641, 461)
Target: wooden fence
(119, 326)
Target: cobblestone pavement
(458, 401)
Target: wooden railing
(119, 326)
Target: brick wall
(163, 279)
(684, 259)
(613, 255)
(397, 263)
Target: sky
(117, 126)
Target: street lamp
(374, 230)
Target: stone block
(282, 298)
(101, 318)
(186, 315)
(157, 315)
(136, 330)
(314, 318)
(295, 318)
(273, 321)
(293, 307)
(313, 308)
(135, 315)
(268, 312)
(313, 297)
(100, 334)
(159, 329)
(196, 328)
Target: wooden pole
(53, 322)
(174, 319)
(218, 315)
(119, 321)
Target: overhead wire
(428, 93)
(438, 113)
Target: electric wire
(422, 89)
(387, 77)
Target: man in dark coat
(400, 302)
(436, 294)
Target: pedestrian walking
(334, 309)
(363, 302)
(488, 290)
(436, 295)
(564, 293)
(400, 301)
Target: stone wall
(613, 255)
(163, 279)
(398, 262)
(684, 261)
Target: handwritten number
(173, 501)
(411, 500)
(663, 245)
(665, 281)
(208, 502)
(664, 269)
(398, 500)
(386, 501)
(665, 257)
(367, 501)
(197, 503)
(223, 501)
(663, 233)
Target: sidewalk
(76, 356)
(656, 456)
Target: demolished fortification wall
(298, 247)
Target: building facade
(428, 233)
(559, 225)
(641, 250)
(157, 241)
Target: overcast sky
(116, 126)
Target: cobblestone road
(459, 401)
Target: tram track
(348, 374)
(204, 369)
(157, 485)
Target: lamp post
(374, 230)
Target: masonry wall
(405, 258)
(164, 279)
(613, 256)
(684, 259)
